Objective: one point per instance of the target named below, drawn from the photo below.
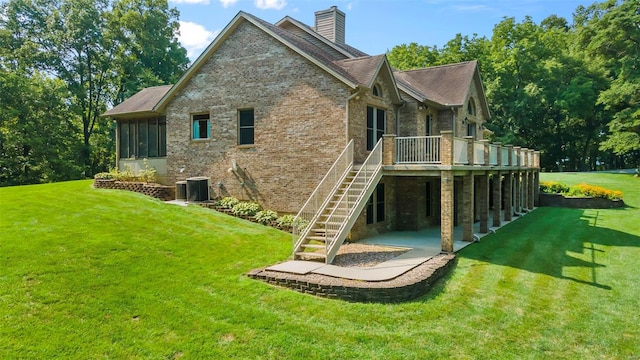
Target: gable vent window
(376, 125)
(246, 127)
(200, 126)
(377, 90)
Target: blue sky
(373, 26)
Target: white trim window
(376, 125)
(200, 127)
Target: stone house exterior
(290, 116)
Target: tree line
(62, 62)
(571, 90)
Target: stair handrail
(374, 160)
(310, 211)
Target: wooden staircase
(329, 227)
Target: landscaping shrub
(580, 190)
(286, 221)
(245, 208)
(228, 202)
(147, 175)
(553, 187)
(595, 191)
(266, 217)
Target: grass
(88, 273)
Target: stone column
(508, 200)
(525, 190)
(470, 150)
(509, 151)
(499, 154)
(536, 187)
(446, 147)
(483, 202)
(446, 210)
(517, 193)
(532, 189)
(486, 151)
(497, 199)
(467, 207)
(388, 149)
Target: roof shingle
(141, 102)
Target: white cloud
(203, 2)
(194, 37)
(270, 4)
(227, 3)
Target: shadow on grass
(558, 242)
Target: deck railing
(460, 151)
(448, 150)
(352, 199)
(322, 194)
(418, 150)
(478, 153)
(493, 154)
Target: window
(429, 125)
(471, 129)
(377, 90)
(245, 127)
(375, 206)
(143, 138)
(376, 125)
(200, 126)
(471, 107)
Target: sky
(373, 26)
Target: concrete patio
(424, 245)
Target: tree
(39, 140)
(610, 33)
(102, 51)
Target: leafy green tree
(39, 140)
(610, 34)
(103, 51)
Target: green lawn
(88, 273)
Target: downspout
(117, 145)
(453, 126)
(398, 117)
(346, 116)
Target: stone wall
(578, 202)
(408, 286)
(164, 193)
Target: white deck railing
(523, 157)
(493, 154)
(323, 192)
(478, 153)
(418, 150)
(343, 213)
(505, 157)
(460, 151)
(514, 157)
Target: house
(292, 117)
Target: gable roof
(446, 84)
(346, 50)
(141, 103)
(365, 69)
(294, 42)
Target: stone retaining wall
(407, 286)
(578, 202)
(162, 192)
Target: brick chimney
(330, 24)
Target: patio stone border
(560, 200)
(162, 192)
(408, 286)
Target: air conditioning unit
(181, 190)
(198, 188)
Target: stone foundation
(410, 285)
(162, 192)
(578, 202)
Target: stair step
(311, 254)
(316, 238)
(313, 246)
